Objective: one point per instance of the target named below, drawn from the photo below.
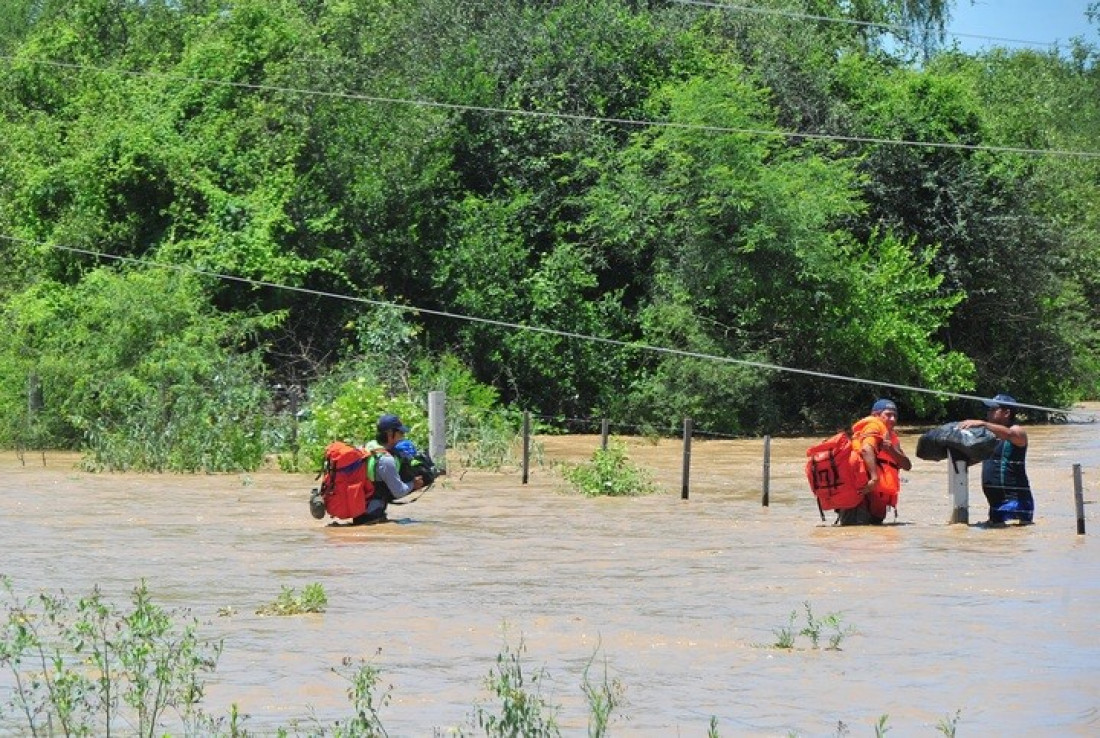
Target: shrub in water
(610, 473)
(313, 599)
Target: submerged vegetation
(609, 474)
(239, 228)
(89, 667)
(312, 599)
(815, 629)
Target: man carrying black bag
(1004, 474)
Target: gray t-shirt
(386, 472)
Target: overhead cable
(639, 123)
(518, 326)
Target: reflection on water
(682, 598)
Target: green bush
(350, 413)
(345, 405)
(522, 710)
(611, 474)
(312, 599)
(136, 369)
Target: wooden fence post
(1079, 499)
(437, 428)
(687, 459)
(526, 443)
(767, 469)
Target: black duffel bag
(973, 444)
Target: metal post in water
(437, 428)
(958, 488)
(1079, 499)
(526, 443)
(687, 459)
(767, 469)
(604, 431)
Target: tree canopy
(732, 189)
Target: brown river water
(681, 599)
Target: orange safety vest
(872, 430)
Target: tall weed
(521, 708)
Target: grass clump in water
(949, 725)
(609, 474)
(312, 599)
(814, 630)
(604, 697)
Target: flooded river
(682, 599)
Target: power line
(639, 123)
(892, 27)
(519, 326)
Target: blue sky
(1037, 21)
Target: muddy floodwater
(681, 599)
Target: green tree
(136, 369)
(739, 241)
(1002, 220)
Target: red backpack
(345, 486)
(836, 473)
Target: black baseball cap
(391, 422)
(1001, 400)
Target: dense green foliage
(620, 170)
(139, 367)
(610, 474)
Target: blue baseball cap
(391, 422)
(883, 404)
(1001, 400)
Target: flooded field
(681, 598)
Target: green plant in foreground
(609, 473)
(785, 637)
(881, 727)
(363, 678)
(603, 698)
(523, 711)
(949, 725)
(313, 599)
(87, 667)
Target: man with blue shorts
(1004, 474)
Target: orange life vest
(872, 430)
